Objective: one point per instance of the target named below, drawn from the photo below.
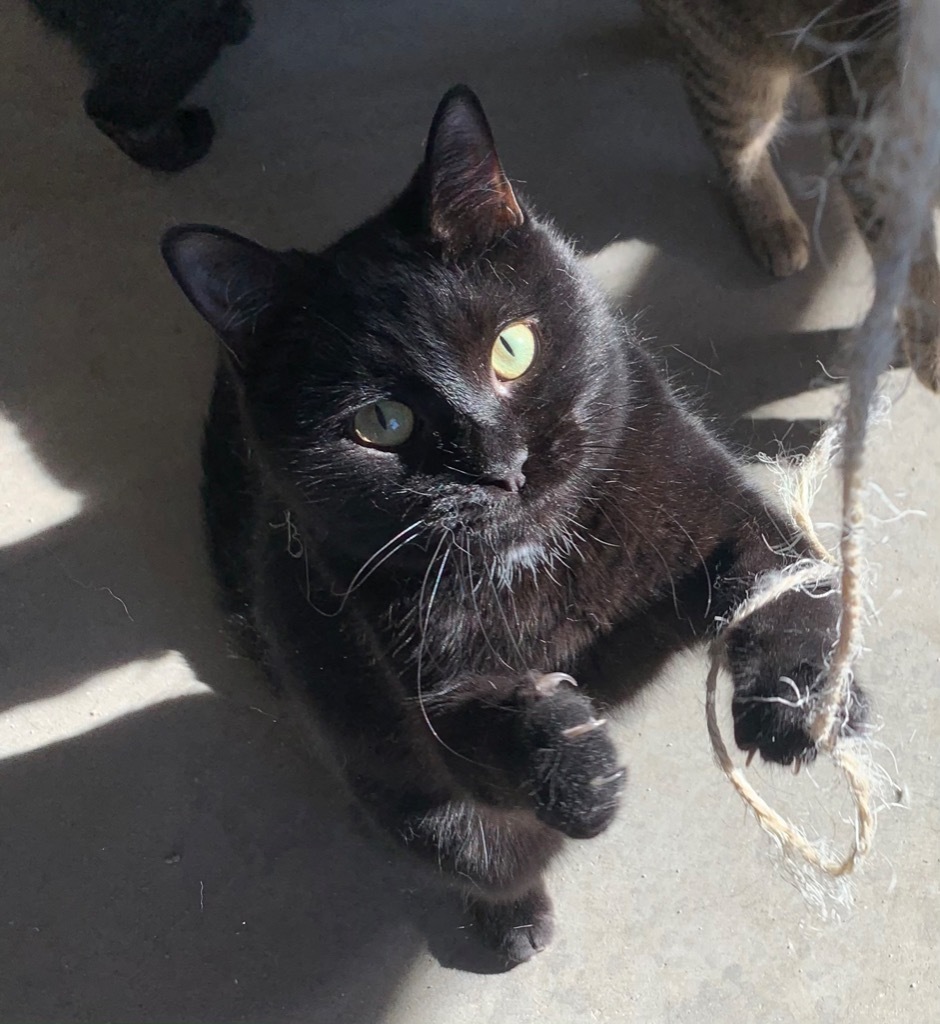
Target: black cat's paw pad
(575, 778)
(517, 929)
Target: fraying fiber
(904, 132)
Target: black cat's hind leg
(497, 859)
(518, 928)
(137, 105)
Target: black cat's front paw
(775, 721)
(574, 775)
(170, 146)
(778, 664)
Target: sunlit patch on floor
(619, 266)
(96, 702)
(40, 502)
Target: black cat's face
(445, 369)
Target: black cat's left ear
(233, 282)
(470, 201)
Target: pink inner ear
(477, 203)
(471, 202)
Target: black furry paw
(517, 929)
(170, 146)
(774, 720)
(237, 22)
(777, 659)
(574, 776)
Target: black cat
(440, 475)
(145, 56)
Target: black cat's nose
(507, 475)
(512, 482)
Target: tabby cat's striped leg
(738, 118)
(920, 319)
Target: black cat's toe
(516, 929)
(774, 720)
(777, 733)
(576, 779)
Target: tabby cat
(442, 480)
(739, 60)
(145, 56)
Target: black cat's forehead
(398, 307)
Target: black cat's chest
(524, 611)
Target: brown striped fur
(739, 60)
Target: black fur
(431, 660)
(145, 57)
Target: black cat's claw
(548, 683)
(605, 780)
(577, 731)
(750, 757)
(575, 779)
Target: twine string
(903, 171)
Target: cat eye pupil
(513, 352)
(383, 424)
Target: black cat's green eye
(513, 351)
(384, 424)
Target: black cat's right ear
(470, 201)
(232, 281)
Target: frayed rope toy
(903, 132)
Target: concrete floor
(168, 850)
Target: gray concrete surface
(168, 851)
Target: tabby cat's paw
(781, 246)
(575, 778)
(921, 344)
